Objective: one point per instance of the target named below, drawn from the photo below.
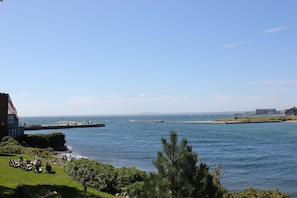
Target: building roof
(11, 108)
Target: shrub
(104, 177)
(251, 192)
(127, 176)
(10, 145)
(91, 173)
(55, 140)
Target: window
(12, 132)
(11, 119)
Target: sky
(128, 56)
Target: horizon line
(137, 114)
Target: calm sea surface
(262, 155)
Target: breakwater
(63, 125)
(208, 121)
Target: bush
(93, 174)
(251, 192)
(128, 176)
(54, 140)
(104, 177)
(10, 145)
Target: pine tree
(179, 174)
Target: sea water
(261, 155)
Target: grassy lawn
(11, 177)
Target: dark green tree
(180, 174)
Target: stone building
(9, 121)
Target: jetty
(152, 121)
(179, 122)
(64, 125)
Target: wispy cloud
(277, 85)
(236, 44)
(274, 82)
(223, 97)
(282, 88)
(235, 102)
(274, 30)
(231, 98)
(170, 104)
(268, 31)
(92, 100)
(84, 100)
(112, 99)
(111, 96)
(24, 95)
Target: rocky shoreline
(66, 154)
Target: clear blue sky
(130, 56)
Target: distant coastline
(234, 120)
(258, 119)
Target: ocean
(260, 155)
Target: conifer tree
(179, 174)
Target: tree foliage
(93, 174)
(55, 140)
(10, 145)
(251, 192)
(127, 176)
(180, 174)
(103, 177)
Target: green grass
(11, 178)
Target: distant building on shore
(266, 111)
(9, 121)
(292, 111)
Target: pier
(153, 121)
(64, 125)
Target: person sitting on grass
(49, 168)
(14, 163)
(38, 168)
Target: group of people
(28, 165)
